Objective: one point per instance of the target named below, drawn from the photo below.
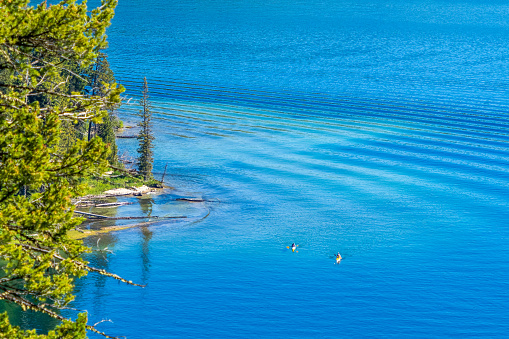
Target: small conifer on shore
(145, 136)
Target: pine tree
(145, 136)
(99, 76)
(38, 177)
(106, 132)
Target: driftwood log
(126, 136)
(190, 199)
(103, 217)
(90, 203)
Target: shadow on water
(146, 205)
(145, 253)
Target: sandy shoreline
(120, 192)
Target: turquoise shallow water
(378, 129)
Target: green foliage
(42, 99)
(67, 330)
(98, 185)
(94, 80)
(101, 76)
(70, 133)
(107, 134)
(145, 137)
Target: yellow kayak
(293, 247)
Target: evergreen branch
(9, 98)
(45, 62)
(58, 94)
(5, 280)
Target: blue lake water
(378, 129)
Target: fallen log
(113, 204)
(190, 199)
(92, 215)
(102, 217)
(145, 217)
(100, 204)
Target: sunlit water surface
(378, 129)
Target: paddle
(335, 257)
(293, 250)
